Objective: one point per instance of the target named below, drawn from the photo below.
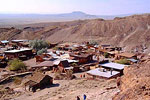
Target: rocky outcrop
(135, 84)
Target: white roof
(56, 62)
(19, 40)
(114, 65)
(53, 55)
(65, 56)
(5, 41)
(20, 50)
(72, 61)
(106, 74)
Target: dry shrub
(17, 80)
(60, 76)
(69, 74)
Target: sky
(94, 7)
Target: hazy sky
(99, 7)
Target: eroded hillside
(129, 32)
(134, 85)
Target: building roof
(4, 41)
(105, 45)
(114, 65)
(106, 74)
(133, 60)
(64, 62)
(102, 50)
(65, 56)
(45, 64)
(82, 55)
(19, 40)
(126, 54)
(37, 77)
(20, 50)
(113, 52)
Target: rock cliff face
(130, 32)
(135, 84)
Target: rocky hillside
(135, 84)
(130, 32)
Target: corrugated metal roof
(4, 41)
(133, 60)
(98, 72)
(45, 64)
(114, 65)
(20, 50)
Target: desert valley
(74, 50)
(104, 59)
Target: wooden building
(45, 65)
(61, 65)
(83, 58)
(126, 55)
(38, 81)
(4, 42)
(21, 53)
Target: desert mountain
(15, 19)
(20, 19)
(129, 32)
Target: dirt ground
(100, 89)
(68, 90)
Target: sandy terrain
(69, 89)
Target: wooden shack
(45, 65)
(4, 42)
(83, 58)
(25, 52)
(126, 55)
(61, 65)
(38, 81)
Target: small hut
(38, 81)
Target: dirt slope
(134, 85)
(129, 32)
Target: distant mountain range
(20, 19)
(132, 32)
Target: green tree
(39, 45)
(44, 50)
(93, 42)
(15, 65)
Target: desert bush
(74, 64)
(106, 55)
(17, 80)
(55, 48)
(123, 61)
(69, 73)
(58, 75)
(44, 50)
(15, 65)
(38, 45)
(1, 86)
(93, 43)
